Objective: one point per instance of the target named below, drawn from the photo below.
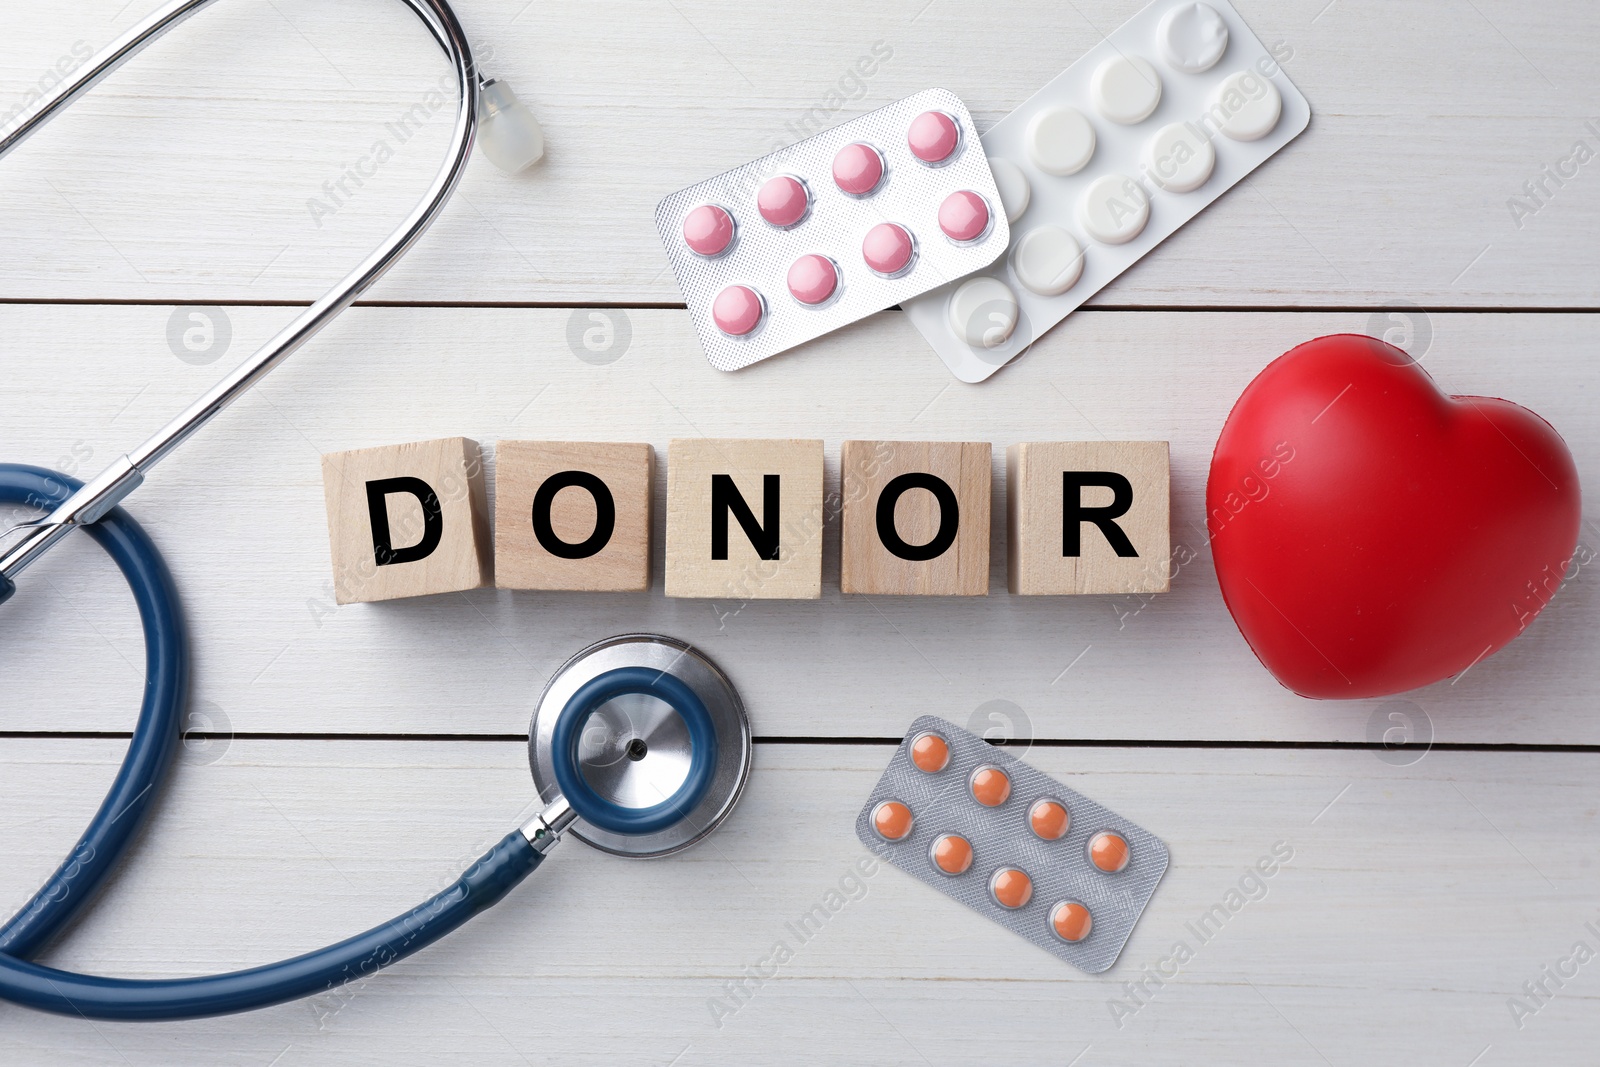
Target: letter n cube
(744, 519)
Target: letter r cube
(1088, 517)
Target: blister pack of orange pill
(1012, 843)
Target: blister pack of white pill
(1106, 162)
(834, 228)
(1012, 844)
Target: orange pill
(930, 753)
(892, 820)
(1071, 921)
(952, 854)
(990, 786)
(1049, 819)
(1010, 888)
(1108, 851)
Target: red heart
(1373, 534)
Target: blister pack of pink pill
(834, 228)
(1121, 149)
(1012, 844)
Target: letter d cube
(407, 520)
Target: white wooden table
(359, 757)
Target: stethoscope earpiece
(508, 134)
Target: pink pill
(813, 279)
(888, 248)
(708, 230)
(857, 169)
(783, 201)
(933, 137)
(964, 216)
(737, 310)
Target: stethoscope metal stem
(544, 830)
(100, 494)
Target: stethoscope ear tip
(508, 134)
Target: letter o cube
(916, 518)
(572, 515)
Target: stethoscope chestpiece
(646, 739)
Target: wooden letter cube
(407, 520)
(572, 516)
(744, 519)
(1088, 517)
(916, 518)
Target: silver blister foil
(909, 195)
(942, 803)
(1121, 150)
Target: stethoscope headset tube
(126, 473)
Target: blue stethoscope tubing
(114, 826)
(157, 731)
(156, 736)
(160, 716)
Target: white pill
(1060, 141)
(1047, 260)
(1114, 209)
(1179, 158)
(1193, 38)
(1245, 106)
(1015, 192)
(983, 312)
(1126, 89)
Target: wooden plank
(236, 160)
(275, 654)
(1417, 899)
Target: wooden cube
(571, 515)
(916, 518)
(1088, 517)
(407, 520)
(744, 519)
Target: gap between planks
(1058, 742)
(546, 305)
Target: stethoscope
(639, 745)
